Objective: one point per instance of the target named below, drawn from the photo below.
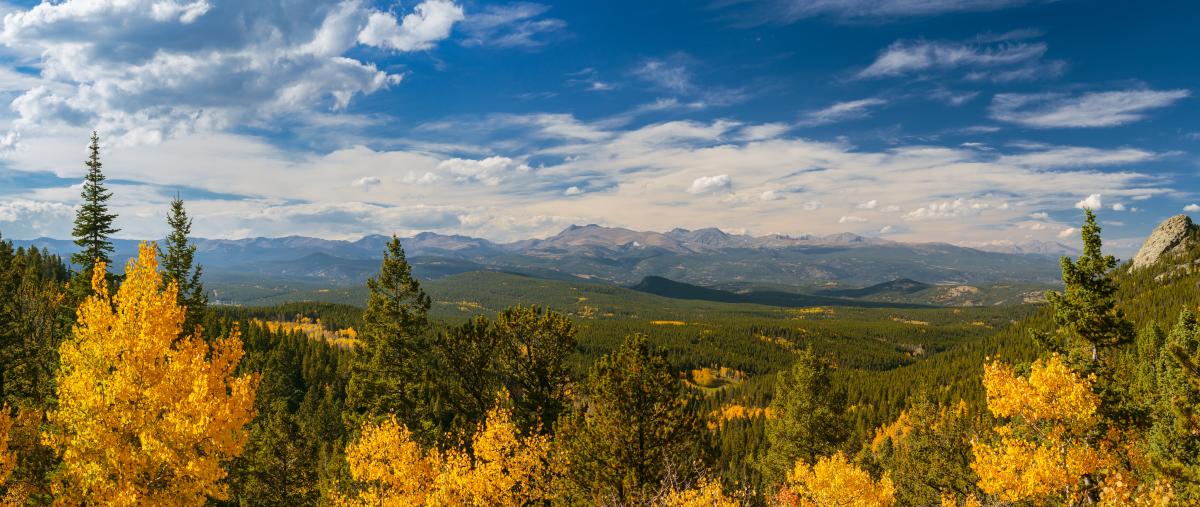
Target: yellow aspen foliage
(8, 459)
(145, 416)
(1120, 490)
(1043, 452)
(390, 469)
(950, 500)
(707, 493)
(834, 482)
(507, 469)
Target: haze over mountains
(621, 256)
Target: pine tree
(178, 266)
(392, 372)
(808, 418)
(1087, 308)
(537, 344)
(1174, 437)
(637, 428)
(93, 224)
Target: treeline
(129, 390)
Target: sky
(963, 121)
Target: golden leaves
(145, 415)
(389, 468)
(1043, 452)
(8, 459)
(707, 493)
(835, 482)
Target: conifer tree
(536, 344)
(93, 223)
(636, 429)
(391, 373)
(1087, 308)
(808, 417)
(1174, 438)
(178, 266)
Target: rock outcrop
(1174, 235)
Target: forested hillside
(128, 387)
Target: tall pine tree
(808, 420)
(391, 373)
(93, 224)
(1087, 308)
(637, 430)
(178, 266)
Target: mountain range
(709, 257)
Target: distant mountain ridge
(616, 255)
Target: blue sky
(968, 121)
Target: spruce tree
(178, 266)
(1174, 437)
(637, 429)
(1087, 309)
(808, 417)
(391, 373)
(93, 224)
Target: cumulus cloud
(871, 204)
(1091, 202)
(842, 111)
(711, 184)
(771, 195)
(572, 190)
(1191, 208)
(1068, 232)
(490, 171)
(1093, 109)
(366, 182)
(149, 69)
(26, 218)
(1118, 207)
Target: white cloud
(430, 22)
(871, 204)
(1091, 202)
(711, 184)
(771, 195)
(1118, 207)
(1076, 156)
(790, 11)
(1094, 109)
(146, 70)
(887, 229)
(847, 219)
(519, 25)
(490, 171)
(366, 182)
(1191, 208)
(573, 190)
(907, 57)
(670, 74)
(842, 111)
(1068, 232)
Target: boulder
(1174, 235)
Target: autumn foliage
(504, 468)
(834, 482)
(145, 415)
